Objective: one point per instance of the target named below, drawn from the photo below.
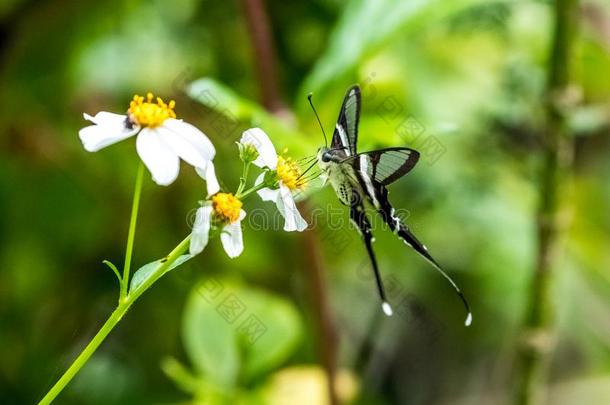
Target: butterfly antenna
(309, 96)
(305, 158)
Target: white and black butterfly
(360, 178)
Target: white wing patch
(365, 173)
(343, 137)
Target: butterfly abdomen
(339, 178)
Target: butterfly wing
(384, 166)
(371, 172)
(345, 135)
(374, 170)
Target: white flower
(225, 209)
(261, 142)
(162, 140)
(289, 178)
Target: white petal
(107, 118)
(292, 217)
(201, 229)
(231, 237)
(208, 173)
(161, 161)
(109, 128)
(187, 142)
(266, 151)
(211, 180)
(266, 194)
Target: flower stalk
(243, 179)
(132, 229)
(254, 189)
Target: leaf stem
(132, 230)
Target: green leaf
(367, 26)
(180, 375)
(231, 330)
(144, 272)
(209, 339)
(114, 269)
(281, 334)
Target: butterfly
(361, 178)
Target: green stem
(82, 358)
(243, 179)
(254, 189)
(132, 229)
(113, 320)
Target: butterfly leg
(358, 217)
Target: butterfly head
(324, 155)
(324, 158)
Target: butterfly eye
(326, 157)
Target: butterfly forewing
(345, 135)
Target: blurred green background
(461, 80)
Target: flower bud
(247, 152)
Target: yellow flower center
(289, 173)
(146, 113)
(226, 206)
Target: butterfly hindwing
(392, 163)
(384, 166)
(345, 135)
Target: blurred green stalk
(538, 329)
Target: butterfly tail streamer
(407, 236)
(403, 232)
(358, 217)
